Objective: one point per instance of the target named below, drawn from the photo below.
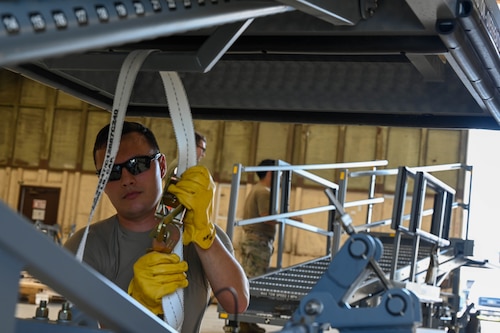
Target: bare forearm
(225, 274)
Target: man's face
(201, 148)
(134, 196)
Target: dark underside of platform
(388, 62)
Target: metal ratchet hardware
(167, 233)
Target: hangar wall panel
(237, 146)
(360, 145)
(272, 141)
(96, 120)
(47, 139)
(29, 139)
(35, 94)
(7, 133)
(65, 140)
(321, 143)
(69, 102)
(10, 85)
(443, 146)
(404, 147)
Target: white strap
(182, 122)
(126, 79)
(180, 113)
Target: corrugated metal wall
(46, 139)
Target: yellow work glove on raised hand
(195, 191)
(157, 274)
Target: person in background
(257, 244)
(258, 238)
(119, 247)
(201, 146)
(201, 149)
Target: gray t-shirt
(112, 251)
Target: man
(257, 243)
(201, 146)
(201, 149)
(117, 247)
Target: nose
(199, 154)
(127, 178)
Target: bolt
(42, 312)
(313, 307)
(358, 248)
(395, 305)
(64, 313)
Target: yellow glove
(156, 275)
(195, 191)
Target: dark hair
(266, 162)
(101, 139)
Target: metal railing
(280, 195)
(423, 182)
(281, 187)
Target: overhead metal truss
(419, 63)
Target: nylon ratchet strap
(126, 79)
(180, 113)
(182, 122)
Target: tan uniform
(256, 247)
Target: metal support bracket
(24, 247)
(328, 302)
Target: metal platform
(276, 295)
(410, 257)
(418, 63)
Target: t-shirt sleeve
(96, 247)
(74, 241)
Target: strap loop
(180, 113)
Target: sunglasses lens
(138, 165)
(116, 173)
(135, 166)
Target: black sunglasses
(203, 149)
(135, 166)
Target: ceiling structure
(416, 63)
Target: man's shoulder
(109, 223)
(96, 230)
(259, 189)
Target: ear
(163, 165)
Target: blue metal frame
(22, 247)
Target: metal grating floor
(289, 284)
(295, 282)
(276, 295)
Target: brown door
(39, 203)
